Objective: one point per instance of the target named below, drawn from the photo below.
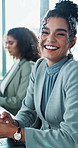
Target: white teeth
(50, 47)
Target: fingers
(5, 114)
(5, 117)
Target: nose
(51, 38)
(7, 46)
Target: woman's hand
(7, 130)
(8, 126)
(5, 117)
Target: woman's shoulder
(39, 65)
(69, 67)
(40, 61)
(25, 62)
(26, 65)
(71, 63)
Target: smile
(50, 47)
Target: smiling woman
(55, 41)
(74, 49)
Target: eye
(10, 42)
(61, 34)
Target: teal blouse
(50, 78)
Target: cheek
(66, 46)
(40, 44)
(64, 43)
(14, 46)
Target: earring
(70, 55)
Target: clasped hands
(7, 124)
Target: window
(0, 38)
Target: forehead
(9, 37)
(56, 22)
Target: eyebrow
(45, 28)
(59, 29)
(9, 41)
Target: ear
(73, 42)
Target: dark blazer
(16, 87)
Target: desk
(10, 143)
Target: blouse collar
(56, 67)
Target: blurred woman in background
(21, 43)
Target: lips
(50, 47)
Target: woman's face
(54, 41)
(11, 45)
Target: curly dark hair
(27, 42)
(67, 10)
